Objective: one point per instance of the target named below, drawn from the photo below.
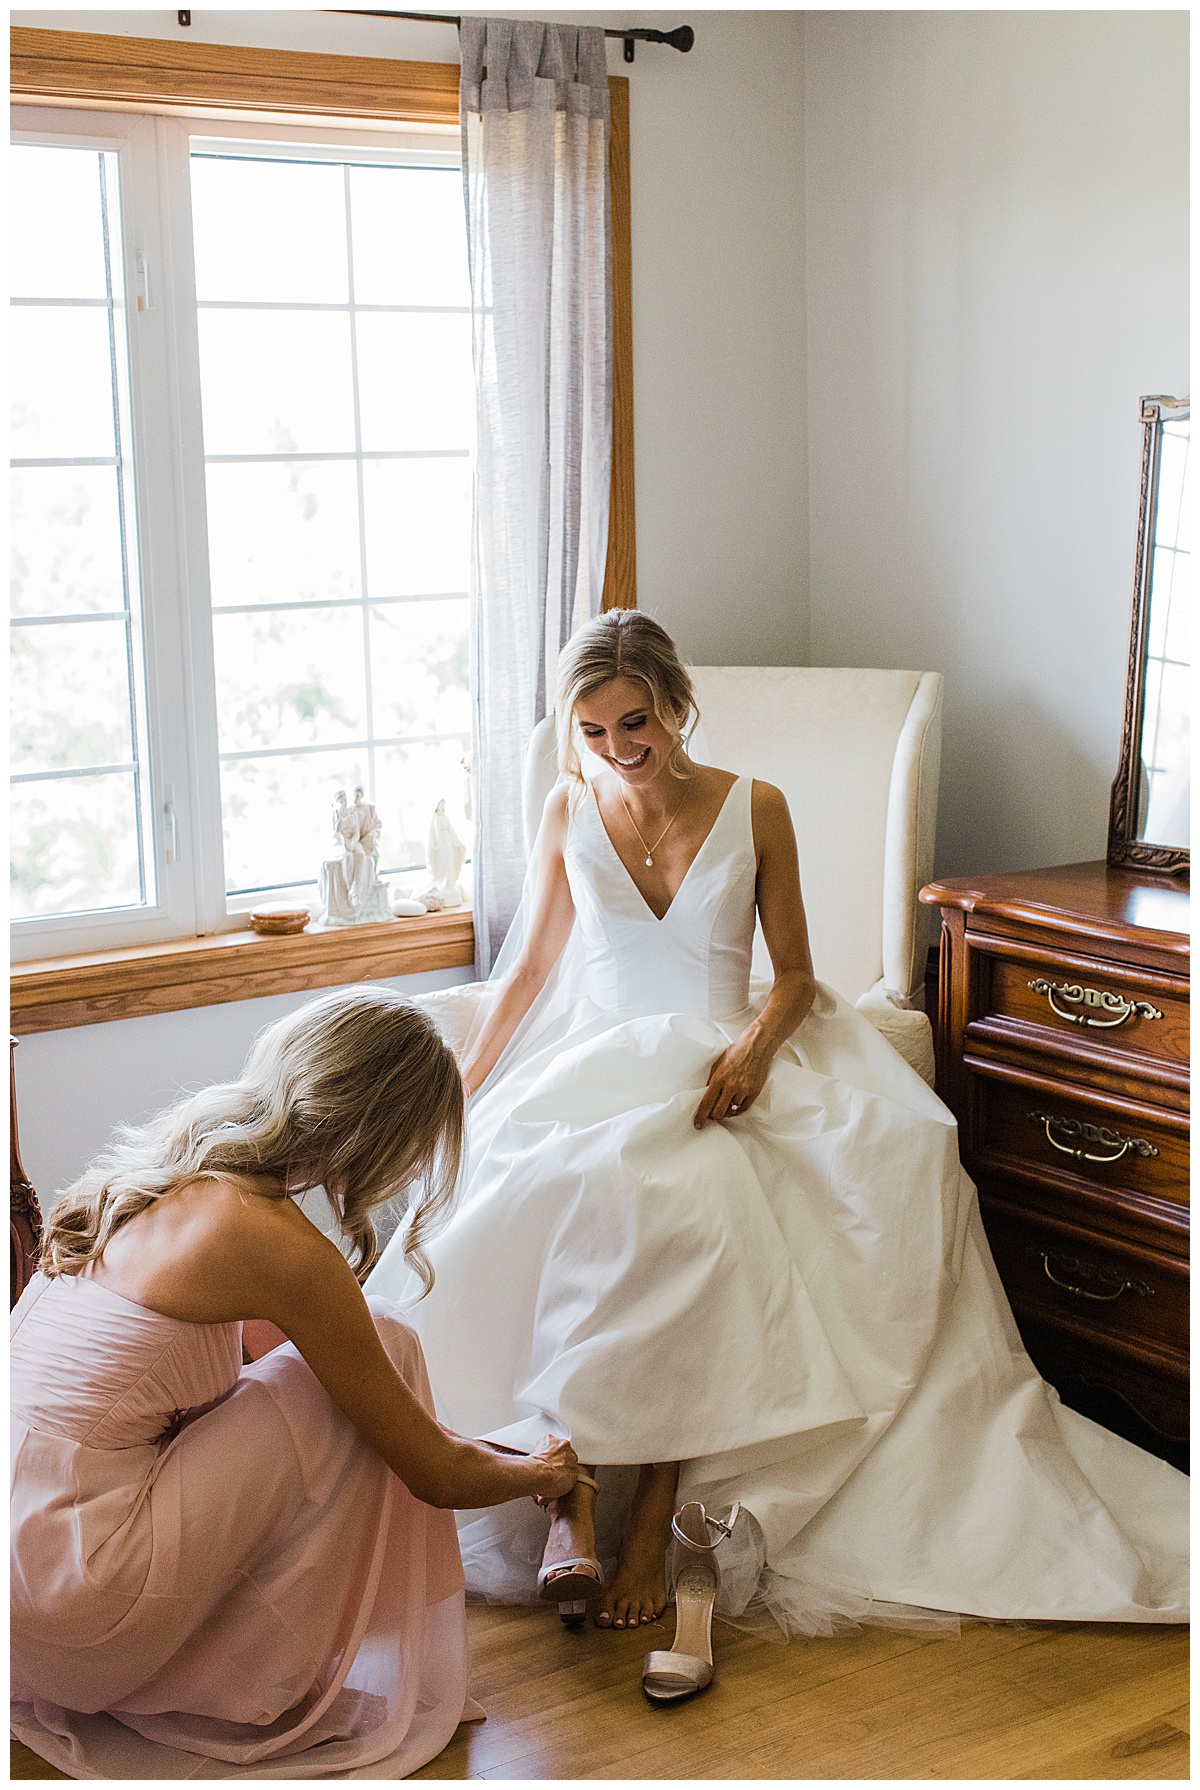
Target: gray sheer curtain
(535, 123)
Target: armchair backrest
(858, 755)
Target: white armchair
(858, 755)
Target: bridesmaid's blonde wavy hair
(624, 643)
(355, 1091)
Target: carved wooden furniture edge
(52, 993)
(1055, 919)
(24, 1216)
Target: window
(79, 828)
(338, 502)
(163, 83)
(278, 434)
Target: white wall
(997, 207)
(718, 337)
(74, 1086)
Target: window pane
(418, 515)
(279, 534)
(279, 815)
(66, 540)
(288, 678)
(419, 668)
(56, 224)
(276, 382)
(416, 385)
(62, 383)
(410, 781)
(410, 236)
(77, 839)
(74, 845)
(70, 696)
(268, 230)
(293, 381)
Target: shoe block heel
(671, 1675)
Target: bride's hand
(557, 1469)
(735, 1081)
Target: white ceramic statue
(468, 786)
(445, 855)
(351, 892)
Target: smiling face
(619, 725)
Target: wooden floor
(1043, 1701)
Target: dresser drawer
(1051, 1131)
(1097, 1006)
(1090, 1284)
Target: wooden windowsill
(55, 992)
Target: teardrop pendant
(649, 863)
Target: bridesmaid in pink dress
(223, 1571)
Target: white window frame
(183, 846)
(158, 455)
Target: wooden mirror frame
(1125, 850)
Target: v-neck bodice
(696, 958)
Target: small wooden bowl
(273, 920)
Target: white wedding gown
(798, 1304)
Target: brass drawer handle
(1089, 1271)
(1092, 1134)
(1099, 999)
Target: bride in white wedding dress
(723, 1238)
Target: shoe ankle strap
(723, 1524)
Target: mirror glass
(1162, 809)
(1148, 814)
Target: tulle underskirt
(502, 1551)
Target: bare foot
(638, 1593)
(572, 1526)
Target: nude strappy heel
(572, 1583)
(668, 1677)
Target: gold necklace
(651, 849)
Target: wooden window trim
(99, 71)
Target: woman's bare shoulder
(208, 1251)
(234, 1214)
(557, 806)
(770, 816)
(767, 800)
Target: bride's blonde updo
(624, 643)
(355, 1092)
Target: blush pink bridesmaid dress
(213, 1575)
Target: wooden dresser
(1062, 1039)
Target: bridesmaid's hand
(736, 1080)
(557, 1468)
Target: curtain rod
(682, 38)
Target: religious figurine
(350, 890)
(445, 855)
(464, 765)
